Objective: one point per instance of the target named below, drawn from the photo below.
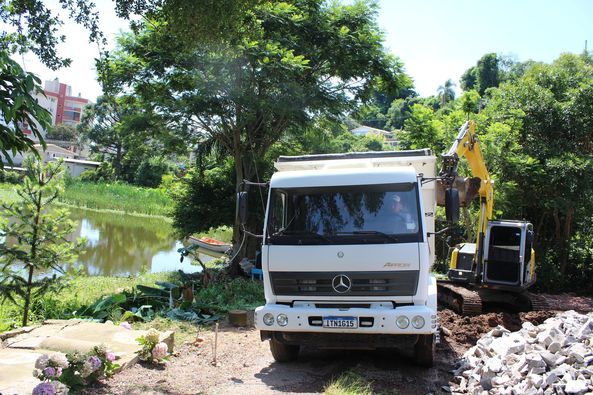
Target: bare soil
(244, 364)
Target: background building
(58, 100)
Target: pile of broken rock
(554, 357)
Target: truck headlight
(269, 319)
(417, 322)
(402, 322)
(282, 319)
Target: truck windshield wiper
(371, 233)
(316, 235)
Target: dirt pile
(467, 330)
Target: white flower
(160, 351)
(58, 361)
(87, 369)
(42, 361)
(152, 335)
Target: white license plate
(340, 322)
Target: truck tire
(283, 352)
(424, 351)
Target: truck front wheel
(283, 352)
(424, 351)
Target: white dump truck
(346, 254)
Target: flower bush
(60, 373)
(153, 350)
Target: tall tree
(299, 59)
(446, 92)
(422, 130)
(35, 235)
(126, 133)
(485, 74)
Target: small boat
(211, 244)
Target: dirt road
(245, 365)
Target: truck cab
(346, 254)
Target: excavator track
(462, 300)
(537, 302)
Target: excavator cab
(509, 261)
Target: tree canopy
(300, 60)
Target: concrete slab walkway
(20, 349)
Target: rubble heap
(554, 357)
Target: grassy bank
(107, 196)
(117, 197)
(79, 292)
(82, 291)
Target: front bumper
(370, 320)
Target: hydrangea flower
(95, 362)
(59, 361)
(110, 356)
(44, 389)
(160, 351)
(41, 362)
(87, 369)
(49, 372)
(152, 335)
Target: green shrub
(151, 172)
(102, 173)
(10, 177)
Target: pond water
(123, 245)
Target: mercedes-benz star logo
(341, 283)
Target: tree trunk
(565, 242)
(238, 248)
(117, 162)
(33, 258)
(28, 296)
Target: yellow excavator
(500, 266)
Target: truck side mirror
(242, 211)
(452, 205)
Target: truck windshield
(360, 214)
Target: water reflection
(121, 245)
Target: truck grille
(401, 283)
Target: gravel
(553, 357)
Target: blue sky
(436, 40)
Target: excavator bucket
(468, 190)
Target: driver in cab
(403, 221)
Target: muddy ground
(245, 365)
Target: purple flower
(110, 356)
(95, 362)
(44, 389)
(49, 372)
